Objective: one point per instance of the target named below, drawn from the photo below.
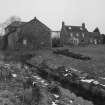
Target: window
(91, 40)
(81, 29)
(77, 34)
(95, 41)
(24, 42)
(71, 34)
(83, 35)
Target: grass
(95, 66)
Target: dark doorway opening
(103, 39)
(56, 42)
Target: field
(52, 61)
(96, 65)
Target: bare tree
(12, 19)
(7, 22)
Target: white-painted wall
(55, 34)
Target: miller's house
(78, 35)
(28, 35)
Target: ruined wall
(37, 35)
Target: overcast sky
(53, 12)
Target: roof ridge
(73, 26)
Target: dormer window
(69, 28)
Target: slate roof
(16, 24)
(75, 28)
(34, 23)
(93, 34)
(35, 20)
(32, 28)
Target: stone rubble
(19, 74)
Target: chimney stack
(63, 23)
(83, 25)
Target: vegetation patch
(67, 53)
